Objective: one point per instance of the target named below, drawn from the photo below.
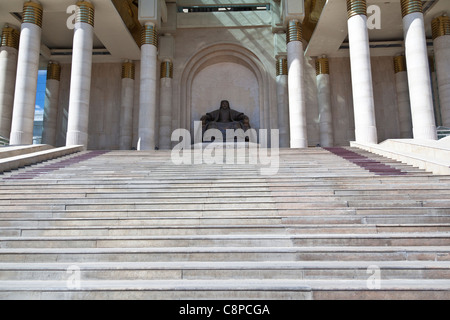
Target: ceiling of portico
(112, 38)
(331, 35)
(117, 28)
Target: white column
(441, 36)
(126, 106)
(27, 74)
(147, 103)
(8, 68)
(435, 89)
(419, 80)
(403, 103)
(324, 101)
(297, 100)
(51, 103)
(363, 101)
(165, 111)
(80, 82)
(283, 102)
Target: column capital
(400, 64)
(32, 13)
(86, 12)
(167, 69)
(53, 71)
(411, 6)
(282, 66)
(10, 37)
(356, 7)
(128, 70)
(294, 31)
(322, 66)
(440, 26)
(149, 35)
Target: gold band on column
(32, 13)
(411, 6)
(149, 35)
(356, 7)
(53, 71)
(167, 69)
(282, 67)
(85, 12)
(322, 66)
(10, 38)
(440, 26)
(399, 64)
(294, 31)
(128, 70)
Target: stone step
(224, 229)
(139, 222)
(205, 205)
(189, 270)
(148, 254)
(255, 240)
(358, 213)
(157, 289)
(207, 197)
(370, 220)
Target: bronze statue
(225, 118)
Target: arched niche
(224, 72)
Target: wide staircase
(331, 224)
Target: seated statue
(225, 118)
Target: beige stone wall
(386, 109)
(260, 84)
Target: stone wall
(245, 76)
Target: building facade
(124, 74)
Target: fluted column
(147, 104)
(126, 106)
(297, 100)
(51, 103)
(165, 111)
(419, 80)
(363, 101)
(441, 42)
(283, 102)
(324, 101)
(403, 103)
(8, 68)
(80, 83)
(27, 74)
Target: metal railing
(443, 132)
(3, 141)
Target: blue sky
(40, 95)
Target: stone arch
(222, 53)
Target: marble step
(223, 270)
(359, 213)
(257, 220)
(207, 197)
(224, 229)
(206, 254)
(158, 289)
(254, 240)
